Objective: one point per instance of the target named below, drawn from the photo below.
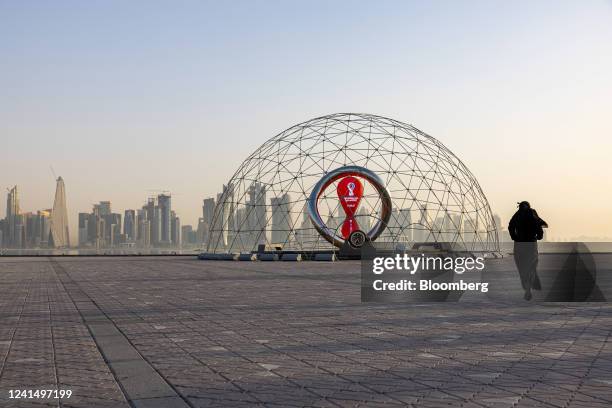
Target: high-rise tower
(12, 215)
(164, 202)
(129, 225)
(208, 210)
(59, 218)
(282, 222)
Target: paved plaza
(178, 332)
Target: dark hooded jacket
(526, 226)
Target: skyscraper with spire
(12, 224)
(59, 235)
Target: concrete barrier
(325, 257)
(228, 257)
(206, 256)
(268, 257)
(247, 257)
(291, 257)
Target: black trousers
(526, 259)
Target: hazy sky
(122, 97)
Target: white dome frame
(435, 196)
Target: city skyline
(179, 100)
(163, 229)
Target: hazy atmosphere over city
(264, 203)
(125, 101)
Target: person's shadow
(577, 279)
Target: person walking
(526, 229)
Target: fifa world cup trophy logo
(350, 187)
(350, 192)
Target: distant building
(83, 229)
(10, 235)
(113, 229)
(281, 219)
(129, 225)
(504, 234)
(306, 233)
(156, 227)
(101, 228)
(19, 240)
(399, 229)
(470, 231)
(104, 208)
(149, 216)
(225, 215)
(153, 225)
(421, 232)
(164, 203)
(41, 229)
(29, 222)
(60, 234)
(202, 231)
(175, 230)
(256, 214)
(144, 229)
(444, 228)
(208, 210)
(189, 236)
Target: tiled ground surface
(177, 332)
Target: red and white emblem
(350, 192)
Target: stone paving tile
(45, 345)
(229, 334)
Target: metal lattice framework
(435, 197)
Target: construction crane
(153, 192)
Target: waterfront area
(178, 332)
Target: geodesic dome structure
(435, 197)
